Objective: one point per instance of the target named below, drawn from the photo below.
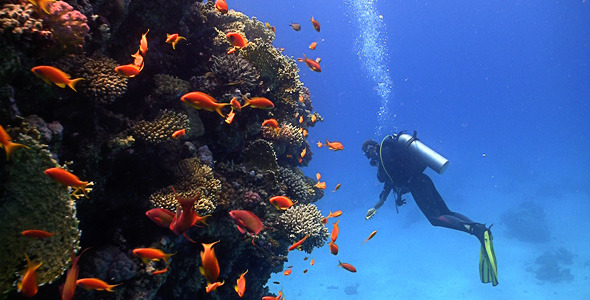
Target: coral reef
(69, 26)
(550, 266)
(260, 155)
(160, 129)
(251, 198)
(298, 187)
(31, 200)
(193, 177)
(527, 223)
(229, 72)
(20, 23)
(303, 219)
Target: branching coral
(161, 129)
(193, 177)
(303, 219)
(31, 200)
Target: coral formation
(303, 219)
(69, 26)
(31, 200)
(21, 24)
(193, 177)
(527, 223)
(228, 72)
(298, 187)
(160, 129)
(550, 266)
(260, 155)
(251, 198)
(170, 87)
(286, 133)
(101, 82)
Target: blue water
(502, 89)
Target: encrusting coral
(31, 200)
(160, 129)
(170, 87)
(303, 219)
(101, 82)
(230, 72)
(69, 26)
(193, 178)
(298, 187)
(260, 154)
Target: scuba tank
(428, 156)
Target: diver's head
(371, 150)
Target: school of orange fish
(185, 216)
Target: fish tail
(72, 83)
(11, 147)
(339, 262)
(218, 110)
(246, 101)
(110, 287)
(166, 258)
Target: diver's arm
(387, 187)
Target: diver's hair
(368, 143)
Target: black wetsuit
(406, 172)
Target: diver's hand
(371, 213)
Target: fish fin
(61, 85)
(145, 261)
(189, 239)
(167, 257)
(246, 101)
(232, 50)
(73, 82)
(44, 5)
(240, 229)
(110, 287)
(11, 147)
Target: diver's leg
(435, 209)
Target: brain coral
(31, 200)
(192, 176)
(303, 219)
(161, 129)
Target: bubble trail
(372, 53)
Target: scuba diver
(401, 160)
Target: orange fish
(316, 24)
(313, 118)
(43, 4)
(214, 285)
(143, 44)
(318, 176)
(271, 123)
(162, 217)
(258, 102)
(335, 214)
(303, 152)
(297, 244)
(28, 285)
(173, 39)
(129, 71)
(138, 60)
(335, 231)
(246, 221)
(221, 6)
(96, 284)
(185, 217)
(311, 64)
(5, 142)
(201, 100)
(178, 134)
(210, 265)
(335, 146)
(281, 202)
(300, 119)
(319, 144)
(68, 179)
(333, 248)
(235, 104)
(304, 132)
(287, 272)
(230, 117)
(337, 187)
(241, 285)
(313, 45)
(370, 236)
(54, 75)
(320, 185)
(280, 295)
(158, 272)
(151, 254)
(39, 234)
(237, 40)
(347, 267)
(68, 288)
(312, 262)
